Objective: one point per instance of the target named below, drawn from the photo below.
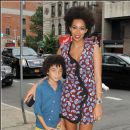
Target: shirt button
(51, 110)
(53, 101)
(49, 119)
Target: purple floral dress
(72, 87)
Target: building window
(59, 29)
(7, 31)
(24, 33)
(88, 4)
(46, 11)
(7, 21)
(118, 26)
(24, 4)
(24, 21)
(85, 4)
(52, 11)
(53, 29)
(66, 7)
(122, 30)
(59, 9)
(75, 3)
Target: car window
(111, 60)
(7, 52)
(126, 58)
(16, 52)
(4, 53)
(26, 52)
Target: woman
(81, 100)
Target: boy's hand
(50, 128)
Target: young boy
(48, 94)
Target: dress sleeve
(38, 103)
(61, 47)
(93, 40)
(96, 41)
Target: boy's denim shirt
(47, 104)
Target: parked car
(6, 75)
(31, 62)
(116, 70)
(45, 55)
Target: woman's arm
(59, 52)
(98, 80)
(32, 90)
(98, 70)
(62, 124)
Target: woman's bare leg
(86, 127)
(69, 125)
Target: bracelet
(99, 101)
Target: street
(116, 105)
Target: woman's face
(78, 29)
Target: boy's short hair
(54, 60)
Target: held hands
(98, 112)
(50, 128)
(61, 125)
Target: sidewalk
(12, 119)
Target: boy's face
(55, 72)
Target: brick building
(10, 19)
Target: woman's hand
(98, 112)
(61, 125)
(31, 92)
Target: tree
(49, 44)
(36, 27)
(31, 42)
(37, 23)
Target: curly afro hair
(54, 60)
(79, 12)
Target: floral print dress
(71, 87)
